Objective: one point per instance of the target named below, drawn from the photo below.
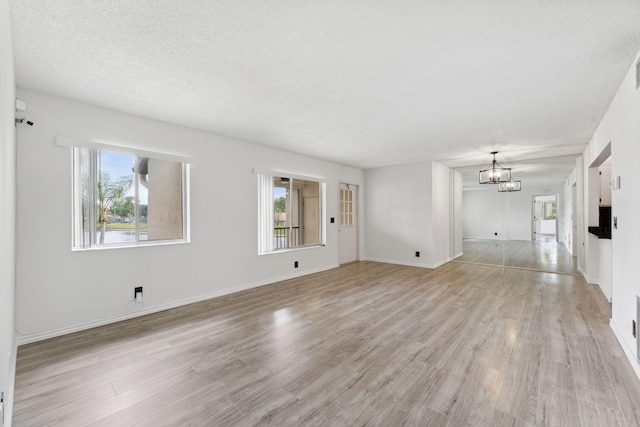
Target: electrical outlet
(137, 293)
(417, 254)
(295, 264)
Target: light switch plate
(615, 183)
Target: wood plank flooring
(543, 255)
(364, 344)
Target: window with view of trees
(123, 199)
(549, 210)
(290, 212)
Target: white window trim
(186, 190)
(64, 141)
(275, 173)
(265, 210)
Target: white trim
(265, 214)
(64, 141)
(79, 242)
(29, 338)
(141, 243)
(627, 351)
(443, 262)
(592, 281)
(276, 173)
(408, 264)
(9, 398)
(581, 271)
(265, 210)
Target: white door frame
(534, 212)
(352, 246)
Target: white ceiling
(362, 83)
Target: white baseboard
(458, 255)
(443, 262)
(398, 262)
(627, 351)
(10, 392)
(590, 280)
(29, 338)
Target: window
(346, 207)
(549, 210)
(290, 212)
(124, 199)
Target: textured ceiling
(363, 83)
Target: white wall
(604, 267)
(408, 209)
(581, 221)
(398, 214)
(567, 212)
(483, 214)
(487, 212)
(59, 291)
(441, 214)
(621, 127)
(548, 226)
(7, 213)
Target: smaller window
(346, 207)
(290, 212)
(123, 199)
(549, 210)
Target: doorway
(348, 223)
(574, 221)
(545, 222)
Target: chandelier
(495, 174)
(509, 186)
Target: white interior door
(348, 224)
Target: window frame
(266, 210)
(77, 203)
(548, 207)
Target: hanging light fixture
(509, 186)
(495, 174)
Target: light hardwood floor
(364, 344)
(544, 255)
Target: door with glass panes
(348, 224)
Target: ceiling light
(509, 186)
(495, 174)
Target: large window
(290, 212)
(124, 199)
